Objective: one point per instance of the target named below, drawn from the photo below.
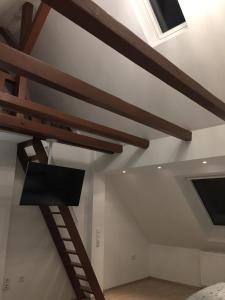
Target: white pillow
(214, 292)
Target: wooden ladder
(65, 235)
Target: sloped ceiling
(199, 51)
(165, 205)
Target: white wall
(98, 227)
(212, 266)
(158, 206)
(161, 207)
(175, 264)
(146, 217)
(7, 171)
(126, 247)
(188, 266)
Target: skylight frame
(160, 34)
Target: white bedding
(214, 292)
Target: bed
(214, 292)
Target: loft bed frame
(20, 114)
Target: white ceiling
(199, 51)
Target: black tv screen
(212, 194)
(52, 185)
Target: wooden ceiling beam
(2, 83)
(43, 73)
(26, 22)
(96, 21)
(44, 131)
(26, 26)
(29, 33)
(46, 113)
(37, 25)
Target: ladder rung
(61, 226)
(86, 289)
(66, 239)
(76, 265)
(81, 277)
(71, 251)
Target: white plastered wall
(165, 213)
(7, 171)
(126, 246)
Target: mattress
(214, 292)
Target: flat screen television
(212, 194)
(52, 185)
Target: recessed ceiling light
(124, 171)
(204, 162)
(159, 167)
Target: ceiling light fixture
(204, 162)
(159, 167)
(124, 171)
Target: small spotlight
(204, 162)
(124, 171)
(159, 167)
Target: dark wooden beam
(22, 87)
(95, 20)
(43, 73)
(43, 131)
(36, 28)
(29, 34)
(26, 25)
(8, 37)
(26, 22)
(2, 83)
(46, 113)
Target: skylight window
(168, 14)
(160, 20)
(212, 193)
